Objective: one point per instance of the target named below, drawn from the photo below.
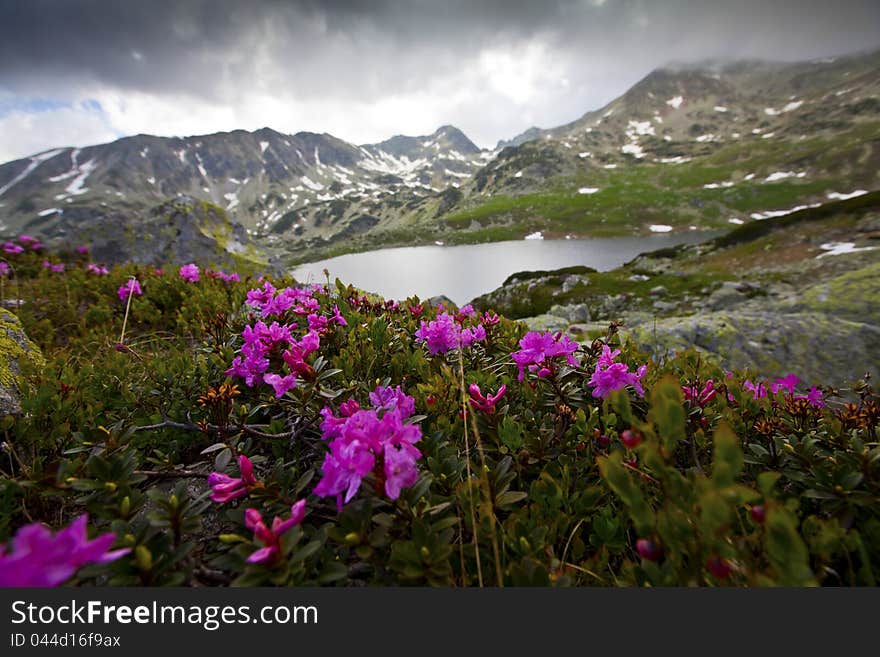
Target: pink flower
(539, 351)
(27, 239)
(485, 403)
(815, 397)
(190, 273)
(490, 319)
(700, 397)
(441, 335)
(36, 557)
(271, 537)
(362, 442)
(337, 317)
(758, 390)
(92, 268)
(130, 288)
(789, 383)
(82, 250)
(615, 377)
(225, 488)
(12, 249)
(281, 383)
(400, 470)
(5, 269)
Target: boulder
(15, 351)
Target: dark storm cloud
(366, 69)
(376, 46)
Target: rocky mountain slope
(703, 146)
(256, 178)
(799, 293)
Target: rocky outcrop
(16, 351)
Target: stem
(127, 307)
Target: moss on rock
(15, 349)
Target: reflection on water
(465, 272)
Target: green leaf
(728, 457)
(621, 482)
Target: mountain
(698, 145)
(689, 146)
(256, 178)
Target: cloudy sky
(79, 72)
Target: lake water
(467, 271)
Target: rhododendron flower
(489, 319)
(36, 246)
(225, 488)
(485, 403)
(281, 383)
(400, 470)
(131, 287)
(759, 390)
(363, 442)
(389, 399)
(788, 383)
(35, 557)
(318, 323)
(416, 310)
(700, 397)
(270, 537)
(615, 377)
(538, 351)
(82, 249)
(92, 268)
(57, 268)
(473, 334)
(610, 375)
(337, 317)
(441, 335)
(190, 273)
(27, 239)
(12, 249)
(4, 269)
(815, 397)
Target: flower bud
(143, 557)
(648, 549)
(758, 513)
(630, 439)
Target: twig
(170, 474)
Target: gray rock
(546, 323)
(821, 349)
(575, 313)
(15, 350)
(659, 291)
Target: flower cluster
(263, 344)
(270, 537)
(364, 441)
(226, 278)
(700, 397)
(540, 353)
(5, 269)
(97, 270)
(53, 267)
(447, 332)
(610, 375)
(190, 273)
(36, 557)
(131, 287)
(788, 383)
(225, 488)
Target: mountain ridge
(684, 146)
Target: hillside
(800, 291)
(706, 146)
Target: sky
(81, 72)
